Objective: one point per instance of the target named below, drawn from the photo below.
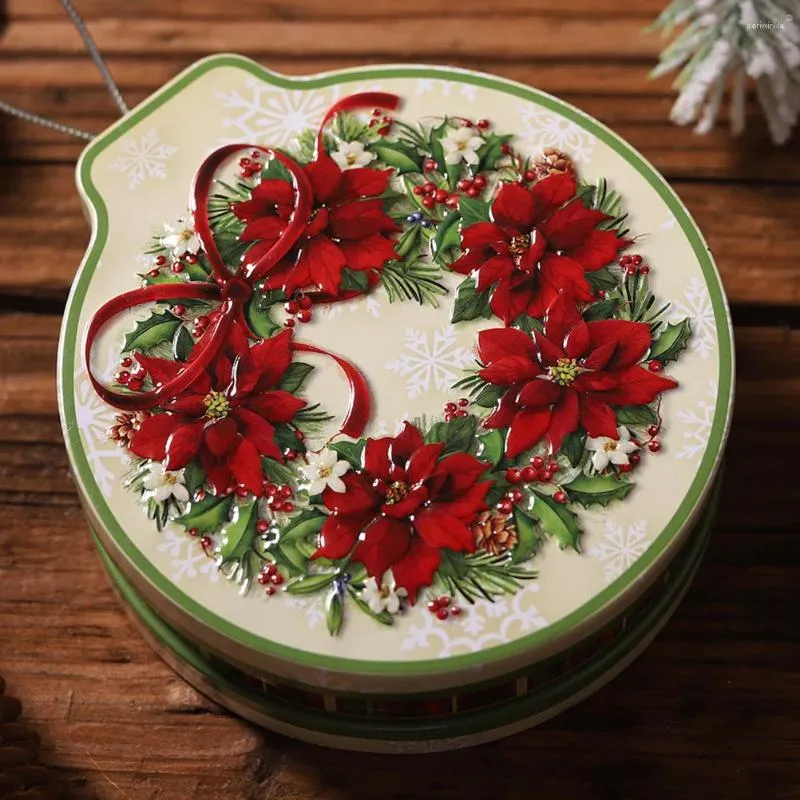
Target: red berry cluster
(633, 264)
(205, 541)
(443, 608)
(432, 196)
(203, 322)
(538, 471)
(451, 410)
(298, 310)
(380, 120)
(481, 124)
(278, 497)
(131, 374)
(270, 577)
(654, 445)
(251, 166)
(472, 188)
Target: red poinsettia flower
(227, 417)
(540, 243)
(571, 375)
(403, 507)
(348, 226)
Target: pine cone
(552, 162)
(21, 778)
(126, 425)
(494, 532)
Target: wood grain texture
(709, 710)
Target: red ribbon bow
(234, 288)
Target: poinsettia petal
(150, 441)
(597, 250)
(528, 428)
(495, 343)
(385, 542)
(376, 457)
(549, 352)
(471, 260)
(371, 252)
(360, 182)
(468, 504)
(539, 393)
(565, 275)
(324, 175)
(638, 386)
(406, 507)
(416, 569)
(440, 529)
(220, 436)
(338, 536)
(264, 229)
(245, 464)
(160, 370)
(562, 316)
(509, 370)
(510, 299)
(257, 430)
(504, 413)
(218, 473)
(631, 340)
(183, 445)
(600, 356)
(221, 371)
(577, 341)
(552, 192)
(275, 406)
(482, 235)
(515, 206)
(563, 420)
(190, 404)
(494, 269)
(323, 261)
(570, 226)
(536, 250)
(597, 417)
(404, 444)
(359, 219)
(271, 358)
(359, 497)
(596, 382)
(459, 472)
(422, 461)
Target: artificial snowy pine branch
(734, 39)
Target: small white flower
(324, 469)
(461, 143)
(386, 597)
(180, 237)
(161, 484)
(352, 154)
(611, 451)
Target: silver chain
(100, 63)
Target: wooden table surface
(711, 710)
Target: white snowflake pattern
(466, 634)
(313, 606)
(620, 548)
(432, 362)
(188, 559)
(699, 421)
(385, 427)
(697, 306)
(370, 303)
(263, 114)
(542, 128)
(466, 90)
(143, 157)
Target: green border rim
(70, 336)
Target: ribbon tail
(359, 407)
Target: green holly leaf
(285, 437)
(435, 144)
(603, 279)
(489, 396)
(194, 476)
(636, 415)
(260, 319)
(310, 584)
(303, 526)
(182, 344)
(384, 617)
(240, 533)
(277, 472)
(274, 169)
(402, 157)
(597, 490)
(527, 323)
(354, 281)
(163, 277)
(497, 491)
(295, 377)
(349, 451)
(473, 210)
(207, 515)
(448, 237)
(457, 434)
(557, 520)
(491, 151)
(469, 303)
(602, 310)
(574, 446)
(334, 611)
(491, 447)
(671, 342)
(157, 328)
(529, 537)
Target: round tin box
(394, 396)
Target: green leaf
(240, 533)
(161, 278)
(473, 210)
(557, 520)
(207, 515)
(293, 556)
(602, 310)
(197, 271)
(574, 446)
(489, 396)
(182, 344)
(259, 319)
(671, 342)
(349, 451)
(309, 584)
(157, 328)
(402, 157)
(470, 304)
(274, 169)
(529, 324)
(457, 434)
(303, 526)
(437, 151)
(194, 476)
(409, 239)
(603, 279)
(384, 617)
(277, 472)
(498, 489)
(295, 377)
(529, 537)
(334, 611)
(448, 237)
(597, 490)
(636, 415)
(354, 281)
(491, 151)
(491, 447)
(285, 437)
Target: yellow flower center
(170, 479)
(185, 235)
(325, 472)
(396, 492)
(217, 405)
(609, 446)
(519, 244)
(350, 158)
(564, 372)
